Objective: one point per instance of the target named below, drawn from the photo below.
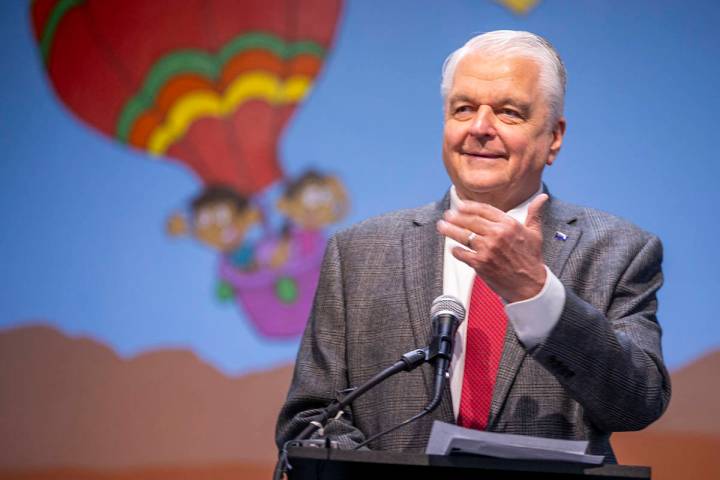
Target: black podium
(332, 464)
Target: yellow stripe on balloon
(179, 118)
(295, 89)
(195, 105)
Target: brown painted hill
(695, 405)
(71, 408)
(685, 442)
(215, 472)
(73, 402)
(672, 456)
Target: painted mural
(212, 91)
(171, 171)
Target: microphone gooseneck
(447, 313)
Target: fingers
(469, 257)
(479, 218)
(483, 210)
(471, 223)
(535, 211)
(457, 233)
(488, 222)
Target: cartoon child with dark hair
(310, 203)
(314, 201)
(221, 219)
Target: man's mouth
(490, 155)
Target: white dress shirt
(532, 319)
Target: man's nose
(483, 125)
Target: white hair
(511, 43)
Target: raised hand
(504, 252)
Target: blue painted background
(82, 242)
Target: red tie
(487, 322)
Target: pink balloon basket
(278, 301)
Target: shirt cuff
(533, 319)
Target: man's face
(497, 136)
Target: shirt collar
(518, 213)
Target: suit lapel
(423, 272)
(560, 235)
(422, 265)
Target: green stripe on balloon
(269, 42)
(54, 19)
(205, 64)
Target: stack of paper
(446, 438)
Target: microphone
(447, 314)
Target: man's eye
(463, 111)
(509, 112)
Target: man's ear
(557, 132)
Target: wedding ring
(471, 236)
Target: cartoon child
(310, 203)
(221, 219)
(314, 201)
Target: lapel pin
(560, 236)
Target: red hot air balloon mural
(211, 84)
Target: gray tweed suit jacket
(600, 370)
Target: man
(561, 339)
